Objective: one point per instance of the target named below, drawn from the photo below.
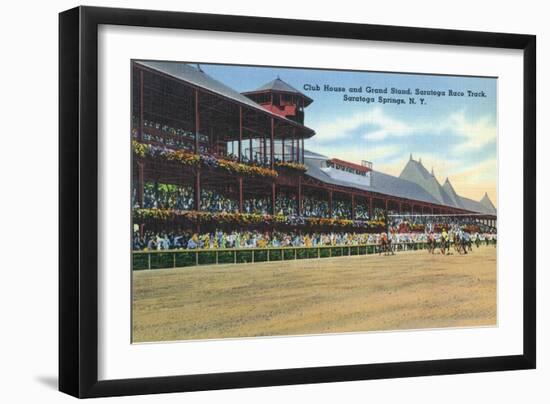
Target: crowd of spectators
(314, 207)
(181, 197)
(247, 239)
(257, 159)
(341, 209)
(178, 132)
(286, 204)
(435, 223)
(214, 201)
(258, 205)
(177, 137)
(361, 211)
(152, 241)
(166, 196)
(185, 139)
(379, 214)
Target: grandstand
(209, 157)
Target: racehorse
(454, 240)
(431, 243)
(461, 243)
(385, 245)
(444, 243)
(464, 243)
(467, 242)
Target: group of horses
(460, 241)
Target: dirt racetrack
(410, 290)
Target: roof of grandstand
(415, 172)
(196, 77)
(282, 86)
(485, 201)
(414, 182)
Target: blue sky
(454, 135)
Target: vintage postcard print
(270, 201)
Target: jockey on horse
(431, 242)
(385, 245)
(461, 241)
(444, 241)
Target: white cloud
(383, 126)
(472, 134)
(386, 126)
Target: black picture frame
(78, 196)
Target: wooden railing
(183, 258)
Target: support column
(214, 146)
(302, 148)
(297, 150)
(272, 147)
(386, 207)
(240, 132)
(250, 151)
(283, 150)
(292, 152)
(265, 150)
(400, 207)
(352, 206)
(198, 190)
(241, 195)
(197, 122)
(273, 198)
(140, 136)
(371, 210)
(330, 204)
(300, 195)
(140, 184)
